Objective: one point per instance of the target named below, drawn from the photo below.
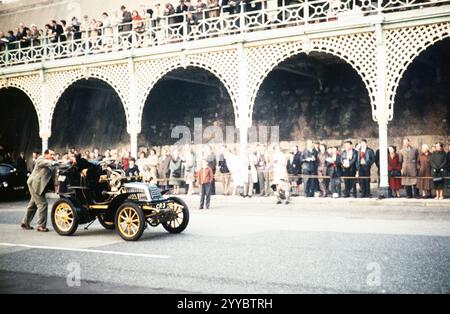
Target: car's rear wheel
(180, 212)
(130, 221)
(64, 217)
(107, 224)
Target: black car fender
(115, 204)
(82, 212)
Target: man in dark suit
(126, 20)
(349, 158)
(366, 158)
(39, 182)
(58, 32)
(308, 159)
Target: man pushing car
(39, 182)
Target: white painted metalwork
(240, 46)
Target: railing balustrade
(199, 24)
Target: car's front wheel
(64, 217)
(130, 221)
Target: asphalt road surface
(242, 246)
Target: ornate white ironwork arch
(403, 46)
(359, 50)
(223, 64)
(31, 86)
(115, 76)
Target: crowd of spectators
(167, 22)
(123, 21)
(321, 170)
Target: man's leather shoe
(42, 229)
(26, 226)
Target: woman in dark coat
(438, 163)
(424, 185)
(394, 168)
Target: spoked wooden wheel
(180, 212)
(130, 221)
(64, 217)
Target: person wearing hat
(349, 159)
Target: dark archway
(19, 124)
(180, 96)
(89, 114)
(316, 96)
(422, 102)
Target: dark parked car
(12, 182)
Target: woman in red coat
(394, 170)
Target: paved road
(243, 246)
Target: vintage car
(91, 192)
(13, 183)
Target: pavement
(251, 245)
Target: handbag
(395, 173)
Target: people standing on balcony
(179, 18)
(138, 26)
(366, 158)
(107, 30)
(169, 12)
(3, 41)
(11, 38)
(75, 29)
(58, 32)
(409, 158)
(66, 30)
(199, 14)
(349, 158)
(192, 26)
(189, 5)
(424, 184)
(25, 42)
(18, 35)
(35, 36)
(84, 27)
(438, 163)
(213, 9)
(126, 20)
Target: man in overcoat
(409, 157)
(39, 182)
